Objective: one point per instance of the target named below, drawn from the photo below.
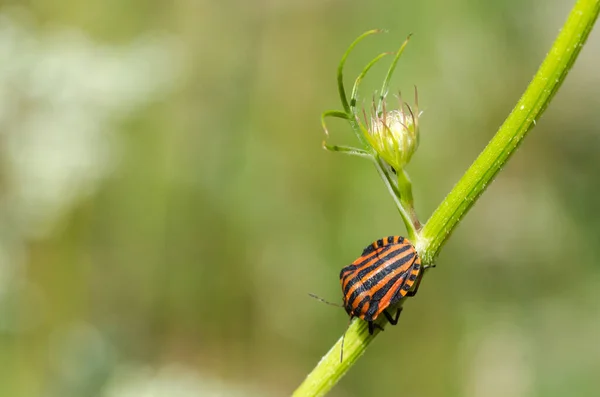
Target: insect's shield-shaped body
(384, 273)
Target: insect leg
(389, 317)
(372, 327)
(414, 291)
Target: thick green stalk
(436, 231)
(523, 117)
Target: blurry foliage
(193, 207)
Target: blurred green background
(166, 206)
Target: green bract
(388, 138)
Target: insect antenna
(324, 301)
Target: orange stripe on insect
(346, 279)
(363, 261)
(369, 276)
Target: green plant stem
(406, 197)
(521, 120)
(398, 196)
(446, 217)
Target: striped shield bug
(388, 270)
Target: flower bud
(394, 135)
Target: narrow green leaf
(340, 70)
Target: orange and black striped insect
(388, 270)
(385, 273)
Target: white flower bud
(395, 135)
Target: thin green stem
(407, 201)
(446, 217)
(397, 195)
